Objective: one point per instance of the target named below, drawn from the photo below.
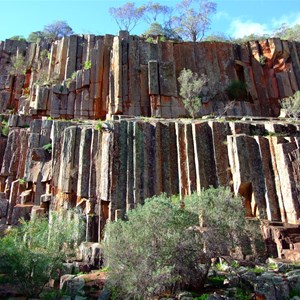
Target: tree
(35, 36)
(33, 253)
(288, 33)
(18, 38)
(155, 29)
(57, 30)
(167, 248)
(127, 16)
(153, 10)
(191, 86)
(194, 18)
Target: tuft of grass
(87, 65)
(99, 125)
(48, 147)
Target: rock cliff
(89, 76)
(105, 168)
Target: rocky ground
(276, 280)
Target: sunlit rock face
(57, 155)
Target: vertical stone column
(204, 156)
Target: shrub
(190, 90)
(18, 65)
(48, 147)
(222, 216)
(5, 128)
(166, 249)
(161, 252)
(30, 255)
(87, 65)
(99, 125)
(292, 105)
(237, 90)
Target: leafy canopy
(162, 247)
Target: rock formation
(105, 168)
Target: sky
(235, 18)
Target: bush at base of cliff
(161, 248)
(33, 253)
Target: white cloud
(290, 19)
(239, 28)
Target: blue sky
(234, 17)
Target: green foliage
(149, 39)
(73, 76)
(262, 60)
(99, 125)
(202, 297)
(257, 270)
(5, 128)
(222, 215)
(161, 251)
(190, 89)
(292, 105)
(45, 54)
(237, 90)
(22, 181)
(217, 280)
(18, 38)
(166, 248)
(240, 294)
(36, 36)
(288, 33)
(87, 65)
(294, 293)
(18, 65)
(30, 255)
(48, 147)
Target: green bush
(165, 248)
(33, 253)
(237, 90)
(87, 65)
(154, 251)
(18, 65)
(5, 128)
(190, 90)
(292, 105)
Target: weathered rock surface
(50, 164)
(104, 172)
(87, 76)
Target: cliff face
(105, 169)
(98, 75)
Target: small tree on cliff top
(191, 86)
(127, 16)
(194, 18)
(57, 30)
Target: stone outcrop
(106, 171)
(57, 155)
(88, 76)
